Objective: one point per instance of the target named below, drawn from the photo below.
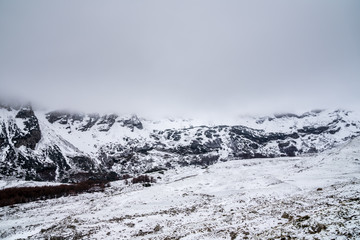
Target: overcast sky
(182, 57)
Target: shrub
(143, 179)
(10, 196)
(126, 176)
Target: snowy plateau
(279, 177)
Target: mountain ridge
(69, 147)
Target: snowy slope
(313, 197)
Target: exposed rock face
(63, 117)
(93, 118)
(87, 122)
(62, 146)
(3, 138)
(132, 123)
(106, 122)
(31, 134)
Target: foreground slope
(314, 197)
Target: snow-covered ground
(314, 197)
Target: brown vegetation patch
(10, 196)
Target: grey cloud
(182, 57)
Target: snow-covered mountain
(66, 147)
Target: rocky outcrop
(106, 122)
(85, 122)
(133, 122)
(64, 117)
(30, 135)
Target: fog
(190, 58)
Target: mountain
(63, 146)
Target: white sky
(182, 57)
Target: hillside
(314, 197)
